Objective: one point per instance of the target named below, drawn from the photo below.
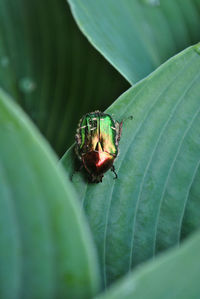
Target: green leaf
(48, 66)
(174, 275)
(137, 36)
(155, 200)
(45, 247)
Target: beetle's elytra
(97, 139)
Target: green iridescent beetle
(97, 140)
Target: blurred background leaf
(174, 275)
(154, 203)
(50, 69)
(137, 36)
(45, 247)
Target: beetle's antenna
(128, 118)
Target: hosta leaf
(48, 66)
(155, 200)
(173, 275)
(137, 36)
(45, 246)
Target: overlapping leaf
(45, 246)
(174, 275)
(48, 66)
(155, 200)
(137, 36)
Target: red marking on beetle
(97, 162)
(102, 158)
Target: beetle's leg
(113, 170)
(121, 124)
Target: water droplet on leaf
(27, 85)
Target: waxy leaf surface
(136, 36)
(45, 246)
(174, 275)
(154, 203)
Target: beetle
(97, 141)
